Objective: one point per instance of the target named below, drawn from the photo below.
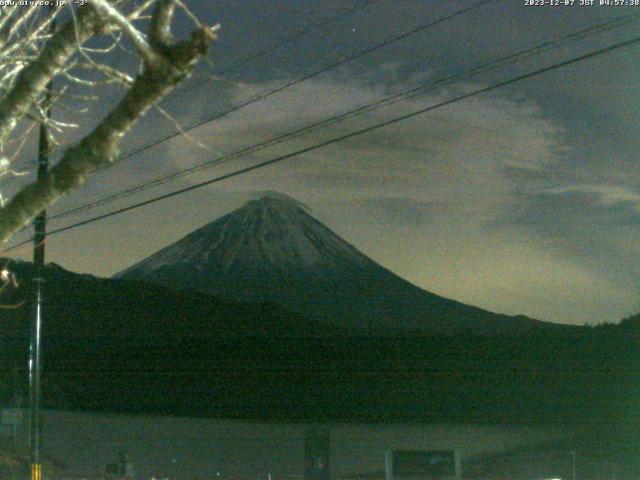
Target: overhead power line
(342, 138)
(254, 56)
(343, 61)
(283, 43)
(491, 65)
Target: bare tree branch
(161, 23)
(138, 12)
(137, 38)
(9, 28)
(33, 79)
(170, 64)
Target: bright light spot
(4, 275)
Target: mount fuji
(272, 250)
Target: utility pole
(573, 455)
(35, 354)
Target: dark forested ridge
(127, 347)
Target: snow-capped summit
(272, 249)
(272, 233)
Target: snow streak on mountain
(268, 236)
(271, 249)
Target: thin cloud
(608, 195)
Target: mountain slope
(123, 346)
(272, 249)
(81, 308)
